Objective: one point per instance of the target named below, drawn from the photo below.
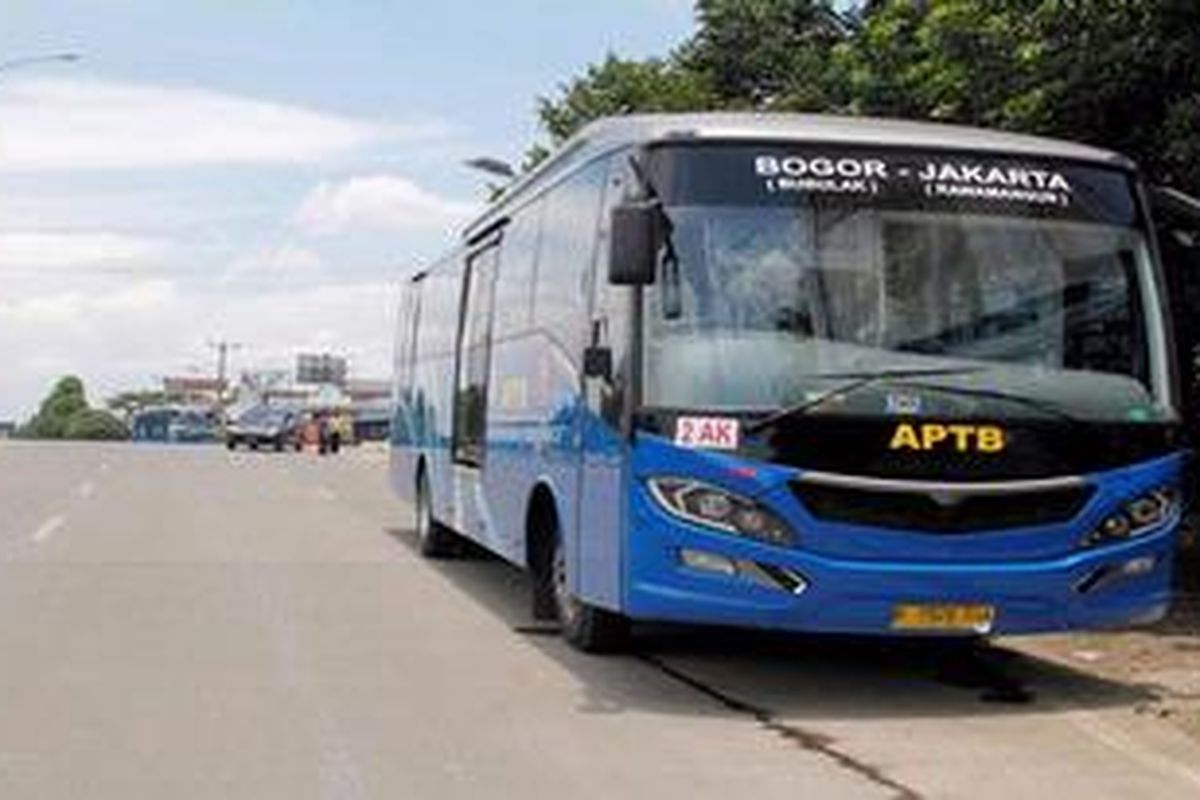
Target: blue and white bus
(803, 373)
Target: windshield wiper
(858, 380)
(995, 394)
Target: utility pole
(223, 347)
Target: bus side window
(518, 259)
(565, 258)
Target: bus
(803, 373)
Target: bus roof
(640, 129)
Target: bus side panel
(532, 438)
(514, 462)
(557, 442)
(603, 501)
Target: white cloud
(41, 250)
(88, 125)
(380, 203)
(78, 310)
(123, 278)
(281, 263)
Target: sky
(256, 171)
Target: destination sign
(935, 178)
(895, 178)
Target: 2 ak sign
(708, 433)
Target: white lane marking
(48, 529)
(86, 489)
(325, 493)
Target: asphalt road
(186, 623)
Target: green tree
(1124, 75)
(65, 414)
(93, 424)
(746, 54)
(769, 55)
(65, 399)
(1115, 73)
(618, 86)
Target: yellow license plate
(944, 617)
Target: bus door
(606, 379)
(469, 439)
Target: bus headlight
(1136, 517)
(713, 507)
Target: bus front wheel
(584, 626)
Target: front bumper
(1085, 589)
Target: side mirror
(636, 236)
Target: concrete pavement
(184, 622)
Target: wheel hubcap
(568, 606)
(423, 521)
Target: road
(187, 623)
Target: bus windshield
(1021, 297)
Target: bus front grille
(914, 506)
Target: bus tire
(434, 539)
(584, 626)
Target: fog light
(708, 562)
(1109, 574)
(1139, 566)
(768, 575)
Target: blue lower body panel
(859, 597)
(1032, 588)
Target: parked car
(174, 425)
(262, 426)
